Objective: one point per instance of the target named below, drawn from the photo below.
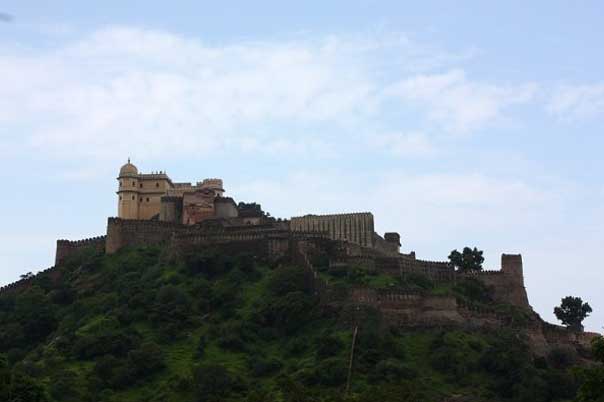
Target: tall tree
(592, 378)
(468, 260)
(572, 311)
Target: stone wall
(407, 264)
(66, 248)
(356, 227)
(24, 283)
(128, 232)
(171, 209)
(508, 283)
(225, 207)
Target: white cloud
(403, 144)
(449, 202)
(124, 91)
(458, 104)
(572, 102)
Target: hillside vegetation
(144, 325)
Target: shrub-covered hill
(143, 325)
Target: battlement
(483, 272)
(356, 228)
(66, 248)
(21, 283)
(346, 214)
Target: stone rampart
(406, 264)
(25, 282)
(66, 248)
(129, 232)
(357, 228)
(558, 335)
(507, 284)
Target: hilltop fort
(154, 210)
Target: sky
(456, 123)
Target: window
(147, 199)
(133, 198)
(156, 184)
(133, 184)
(120, 197)
(141, 185)
(120, 183)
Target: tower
(128, 192)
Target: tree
(212, 382)
(592, 379)
(572, 311)
(468, 260)
(597, 346)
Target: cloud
(403, 144)
(574, 102)
(458, 104)
(150, 94)
(450, 202)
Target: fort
(154, 210)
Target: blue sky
(455, 123)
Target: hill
(149, 324)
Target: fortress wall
(267, 241)
(356, 227)
(401, 299)
(508, 283)
(386, 247)
(66, 248)
(121, 233)
(558, 335)
(170, 209)
(438, 271)
(23, 283)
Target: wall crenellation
(66, 248)
(24, 282)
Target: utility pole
(354, 339)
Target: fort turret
(128, 192)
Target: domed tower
(128, 192)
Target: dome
(128, 169)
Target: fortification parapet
(130, 232)
(22, 283)
(356, 228)
(508, 283)
(511, 264)
(66, 248)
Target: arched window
(133, 198)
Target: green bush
(286, 280)
(329, 372)
(328, 346)
(212, 382)
(288, 313)
(473, 290)
(392, 370)
(261, 366)
(146, 359)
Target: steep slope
(147, 325)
